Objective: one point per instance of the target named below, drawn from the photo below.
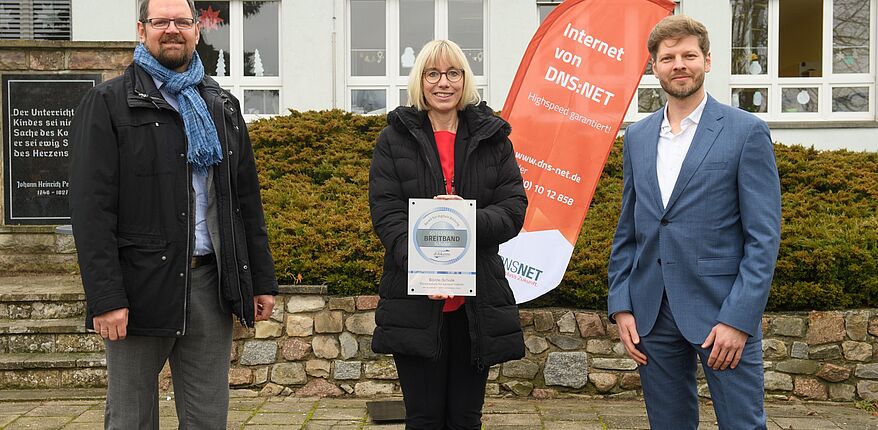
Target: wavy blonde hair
(431, 54)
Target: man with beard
(696, 243)
(168, 224)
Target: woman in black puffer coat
(446, 145)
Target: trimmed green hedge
(314, 170)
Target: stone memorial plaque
(37, 115)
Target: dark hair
(677, 27)
(144, 10)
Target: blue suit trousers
(670, 387)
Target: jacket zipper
(148, 97)
(440, 186)
(190, 208)
(441, 319)
(477, 342)
(189, 233)
(440, 305)
(232, 216)
(437, 184)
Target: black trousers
(447, 393)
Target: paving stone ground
(23, 410)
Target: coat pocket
(147, 145)
(140, 255)
(155, 291)
(413, 313)
(718, 266)
(719, 165)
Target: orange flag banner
(566, 104)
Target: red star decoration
(210, 19)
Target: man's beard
(682, 93)
(166, 57)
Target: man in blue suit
(696, 244)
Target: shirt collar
(693, 118)
(158, 84)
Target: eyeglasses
(163, 23)
(433, 76)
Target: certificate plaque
(442, 247)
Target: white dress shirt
(203, 245)
(672, 149)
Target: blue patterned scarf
(204, 145)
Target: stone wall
(320, 345)
(37, 248)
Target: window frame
(541, 3)
(824, 84)
(26, 20)
(392, 81)
(235, 81)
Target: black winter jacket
(406, 165)
(132, 205)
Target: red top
(445, 145)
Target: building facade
(808, 67)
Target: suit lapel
(650, 152)
(708, 129)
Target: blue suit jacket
(714, 247)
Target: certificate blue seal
(442, 236)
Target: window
(750, 37)
(35, 19)
(239, 47)
(544, 7)
(385, 36)
(804, 59)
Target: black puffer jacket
(133, 206)
(406, 165)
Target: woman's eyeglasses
(433, 76)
